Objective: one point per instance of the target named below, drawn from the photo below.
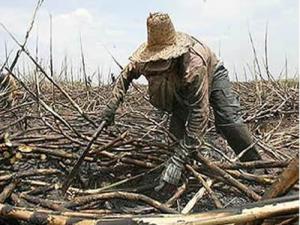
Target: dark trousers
(227, 112)
(224, 101)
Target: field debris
(40, 142)
(52, 121)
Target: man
(184, 77)
(7, 89)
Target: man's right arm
(122, 84)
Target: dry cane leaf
(6, 140)
(13, 160)
(25, 148)
(57, 186)
(6, 154)
(19, 156)
(43, 157)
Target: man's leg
(228, 119)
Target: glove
(173, 170)
(168, 181)
(109, 112)
(165, 190)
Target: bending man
(185, 78)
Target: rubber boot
(239, 138)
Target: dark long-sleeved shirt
(186, 79)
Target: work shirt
(183, 81)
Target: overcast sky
(120, 26)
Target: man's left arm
(198, 104)
(197, 101)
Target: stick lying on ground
(270, 208)
(228, 178)
(122, 165)
(75, 169)
(284, 182)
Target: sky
(120, 27)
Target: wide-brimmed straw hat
(163, 41)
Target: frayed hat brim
(162, 52)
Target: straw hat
(163, 41)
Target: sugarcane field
(200, 126)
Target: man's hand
(108, 116)
(109, 112)
(165, 189)
(173, 170)
(170, 177)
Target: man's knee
(226, 107)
